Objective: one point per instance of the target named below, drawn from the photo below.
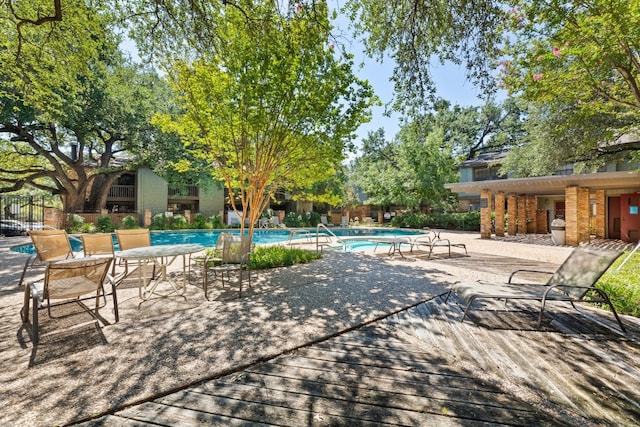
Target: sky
(450, 81)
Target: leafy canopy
(578, 64)
(274, 106)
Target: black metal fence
(20, 214)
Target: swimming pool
(260, 237)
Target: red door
(630, 217)
(613, 218)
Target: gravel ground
(168, 343)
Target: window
(486, 174)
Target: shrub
(158, 222)
(216, 222)
(104, 224)
(279, 256)
(292, 220)
(177, 222)
(75, 223)
(200, 222)
(467, 221)
(129, 222)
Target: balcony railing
(122, 192)
(191, 191)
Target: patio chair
(236, 256)
(50, 245)
(210, 258)
(573, 282)
(101, 245)
(135, 238)
(66, 282)
(131, 239)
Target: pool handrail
(330, 233)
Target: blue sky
(450, 82)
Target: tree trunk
(97, 198)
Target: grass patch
(263, 257)
(623, 287)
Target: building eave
(553, 185)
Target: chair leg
(115, 301)
(24, 270)
(34, 321)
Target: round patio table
(161, 256)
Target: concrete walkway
(168, 343)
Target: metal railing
(122, 192)
(189, 191)
(330, 233)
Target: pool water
(260, 237)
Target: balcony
(122, 192)
(189, 192)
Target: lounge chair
(573, 282)
(236, 256)
(432, 240)
(67, 281)
(50, 246)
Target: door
(630, 217)
(613, 218)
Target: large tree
(65, 89)
(578, 64)
(575, 62)
(274, 106)
(418, 33)
(410, 170)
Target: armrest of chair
(440, 242)
(524, 270)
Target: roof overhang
(553, 185)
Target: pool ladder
(320, 246)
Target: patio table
(161, 256)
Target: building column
(512, 214)
(532, 207)
(576, 215)
(599, 223)
(485, 214)
(499, 216)
(146, 220)
(522, 215)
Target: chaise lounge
(573, 282)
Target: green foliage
(264, 257)
(272, 106)
(467, 221)
(177, 222)
(410, 170)
(79, 91)
(75, 223)
(200, 222)
(623, 287)
(293, 220)
(216, 222)
(129, 222)
(104, 224)
(578, 67)
(419, 34)
(159, 222)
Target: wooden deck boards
(424, 367)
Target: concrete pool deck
(168, 343)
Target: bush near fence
(466, 221)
